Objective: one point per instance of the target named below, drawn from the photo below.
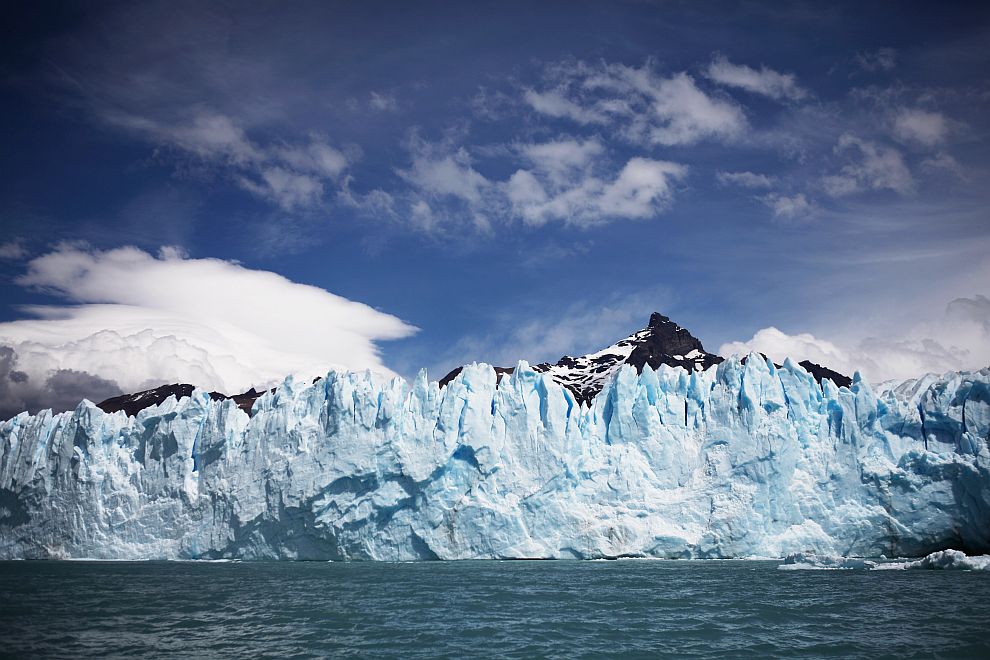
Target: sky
(226, 192)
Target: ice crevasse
(743, 459)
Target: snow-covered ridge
(738, 460)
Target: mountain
(661, 342)
(738, 460)
(132, 404)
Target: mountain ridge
(661, 342)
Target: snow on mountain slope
(741, 459)
(661, 342)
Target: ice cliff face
(736, 460)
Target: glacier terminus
(702, 458)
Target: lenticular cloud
(141, 320)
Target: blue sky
(491, 181)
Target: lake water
(487, 608)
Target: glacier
(742, 459)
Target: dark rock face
(243, 400)
(665, 342)
(131, 404)
(661, 342)
(499, 372)
(821, 373)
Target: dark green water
(487, 608)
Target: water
(487, 608)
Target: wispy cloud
(291, 176)
(554, 103)
(881, 59)
(13, 250)
(383, 102)
(639, 102)
(440, 170)
(789, 207)
(566, 180)
(641, 189)
(744, 179)
(943, 162)
(870, 166)
(766, 81)
(920, 126)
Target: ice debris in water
(943, 559)
(738, 460)
(802, 561)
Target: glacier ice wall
(738, 460)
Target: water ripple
(486, 608)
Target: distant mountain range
(662, 341)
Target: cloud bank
(137, 321)
(958, 341)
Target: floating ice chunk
(943, 560)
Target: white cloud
(561, 158)
(744, 179)
(686, 114)
(804, 346)
(960, 340)
(562, 184)
(13, 250)
(642, 188)
(422, 216)
(788, 207)
(288, 189)
(210, 135)
(566, 180)
(140, 320)
(776, 85)
(882, 59)
(920, 126)
(555, 104)
(383, 102)
(437, 171)
(317, 158)
(872, 167)
(643, 105)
